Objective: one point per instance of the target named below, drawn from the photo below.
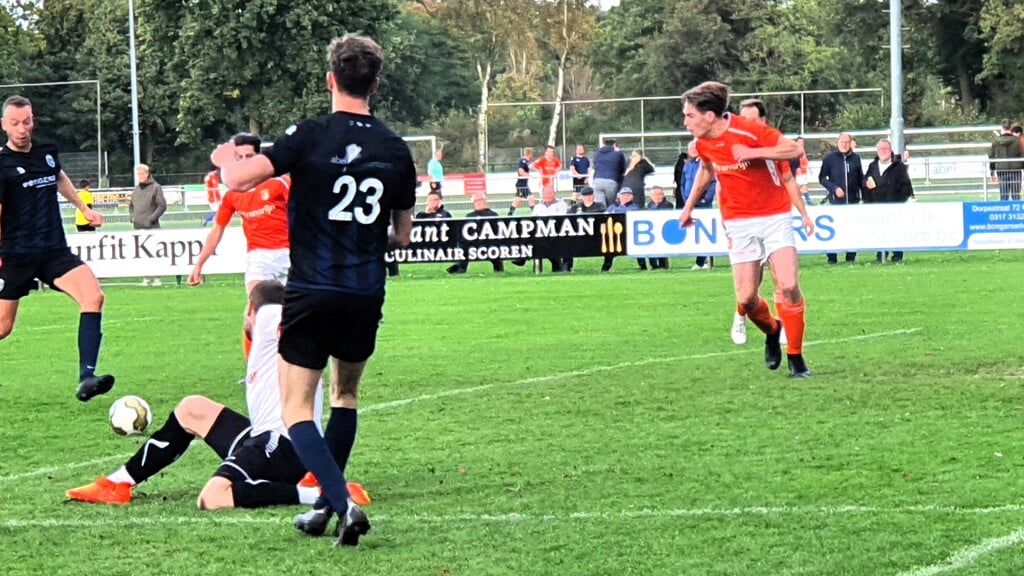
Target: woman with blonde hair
(636, 172)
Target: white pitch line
(533, 380)
(513, 517)
(69, 326)
(968, 556)
(51, 469)
(610, 367)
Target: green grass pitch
(566, 425)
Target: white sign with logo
(913, 226)
(157, 252)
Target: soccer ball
(130, 415)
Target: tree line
(210, 68)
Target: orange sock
(762, 317)
(739, 309)
(792, 316)
(246, 344)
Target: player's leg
(747, 255)
(781, 245)
(193, 416)
(355, 335)
(310, 325)
(67, 273)
(262, 472)
(8, 313)
(791, 307)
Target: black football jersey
(349, 172)
(30, 218)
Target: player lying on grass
(260, 467)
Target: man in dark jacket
(887, 181)
(609, 168)
(480, 210)
(842, 175)
(587, 204)
(1008, 173)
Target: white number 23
(344, 211)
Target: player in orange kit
(264, 212)
(755, 208)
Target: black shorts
(578, 184)
(85, 227)
(267, 456)
(523, 191)
(316, 325)
(18, 272)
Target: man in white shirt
(260, 467)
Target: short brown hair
(1006, 124)
(356, 62)
(266, 292)
(762, 112)
(708, 97)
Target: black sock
(340, 436)
(312, 449)
(89, 337)
(160, 450)
(263, 494)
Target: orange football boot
(103, 491)
(356, 492)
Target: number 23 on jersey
(365, 212)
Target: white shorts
(755, 239)
(263, 264)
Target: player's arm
(67, 190)
(242, 174)
(705, 174)
(784, 149)
(796, 198)
(209, 247)
(400, 231)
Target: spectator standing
(147, 206)
(81, 222)
(658, 202)
(1007, 173)
(678, 178)
(842, 175)
(436, 170)
(609, 168)
(707, 199)
(636, 173)
(887, 182)
(580, 167)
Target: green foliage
(210, 68)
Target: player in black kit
(352, 177)
(32, 241)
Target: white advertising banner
(157, 252)
(914, 226)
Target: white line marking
(533, 380)
(68, 326)
(214, 519)
(968, 556)
(51, 469)
(608, 368)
